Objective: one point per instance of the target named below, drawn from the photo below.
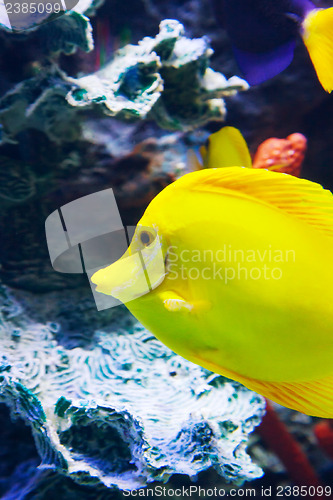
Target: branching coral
(65, 34)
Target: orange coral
(282, 155)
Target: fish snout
(133, 275)
(100, 278)
(125, 279)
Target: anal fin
(314, 397)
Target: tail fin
(318, 38)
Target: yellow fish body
(246, 284)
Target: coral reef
(39, 103)
(114, 405)
(32, 189)
(27, 20)
(64, 34)
(166, 79)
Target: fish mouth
(133, 275)
(110, 281)
(125, 280)
(118, 293)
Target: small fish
(239, 266)
(263, 34)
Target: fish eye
(145, 238)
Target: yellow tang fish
(240, 269)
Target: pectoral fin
(174, 302)
(177, 305)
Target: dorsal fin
(226, 148)
(300, 198)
